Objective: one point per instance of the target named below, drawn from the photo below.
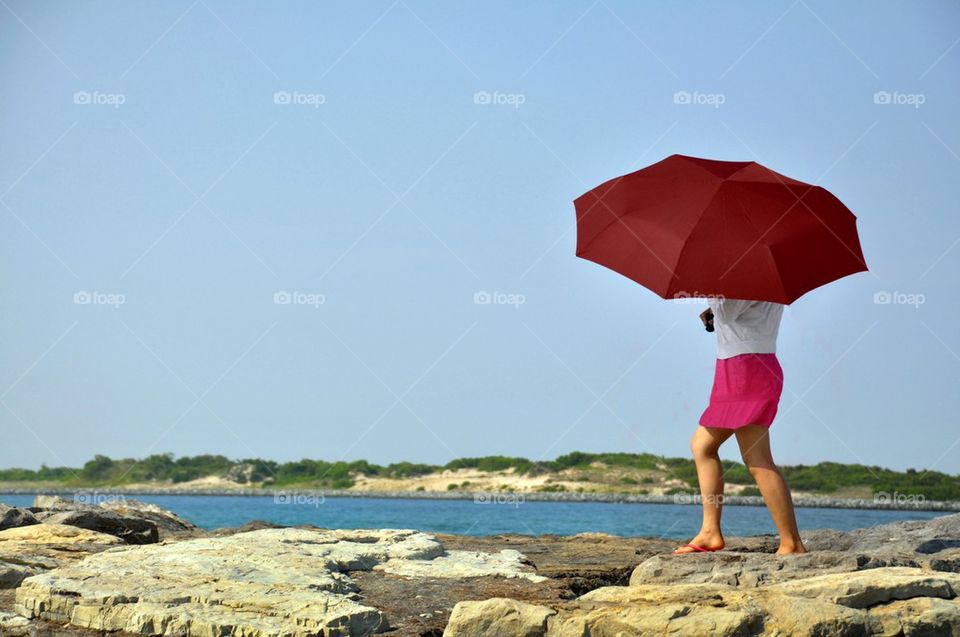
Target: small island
(576, 476)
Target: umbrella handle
(708, 319)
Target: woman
(747, 384)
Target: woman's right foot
(705, 540)
(791, 548)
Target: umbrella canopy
(688, 227)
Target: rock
(12, 517)
(252, 525)
(498, 616)
(12, 625)
(583, 562)
(876, 586)
(29, 550)
(506, 563)
(924, 616)
(125, 517)
(825, 605)
(785, 615)
(931, 544)
(169, 524)
(263, 583)
(742, 569)
(639, 610)
(896, 579)
(905, 536)
(132, 530)
(53, 503)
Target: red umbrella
(687, 226)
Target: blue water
(466, 517)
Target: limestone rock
(742, 569)
(272, 582)
(890, 600)
(133, 530)
(168, 523)
(641, 610)
(932, 544)
(507, 563)
(29, 550)
(12, 625)
(130, 519)
(12, 517)
(53, 502)
(498, 617)
(923, 616)
(875, 586)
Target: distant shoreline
(95, 495)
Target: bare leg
(705, 445)
(754, 441)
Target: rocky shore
(823, 502)
(126, 567)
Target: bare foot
(791, 548)
(704, 539)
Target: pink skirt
(746, 391)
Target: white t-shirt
(745, 327)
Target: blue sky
(173, 172)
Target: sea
(497, 515)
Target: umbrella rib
(600, 200)
(760, 238)
(684, 247)
(773, 260)
(815, 215)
